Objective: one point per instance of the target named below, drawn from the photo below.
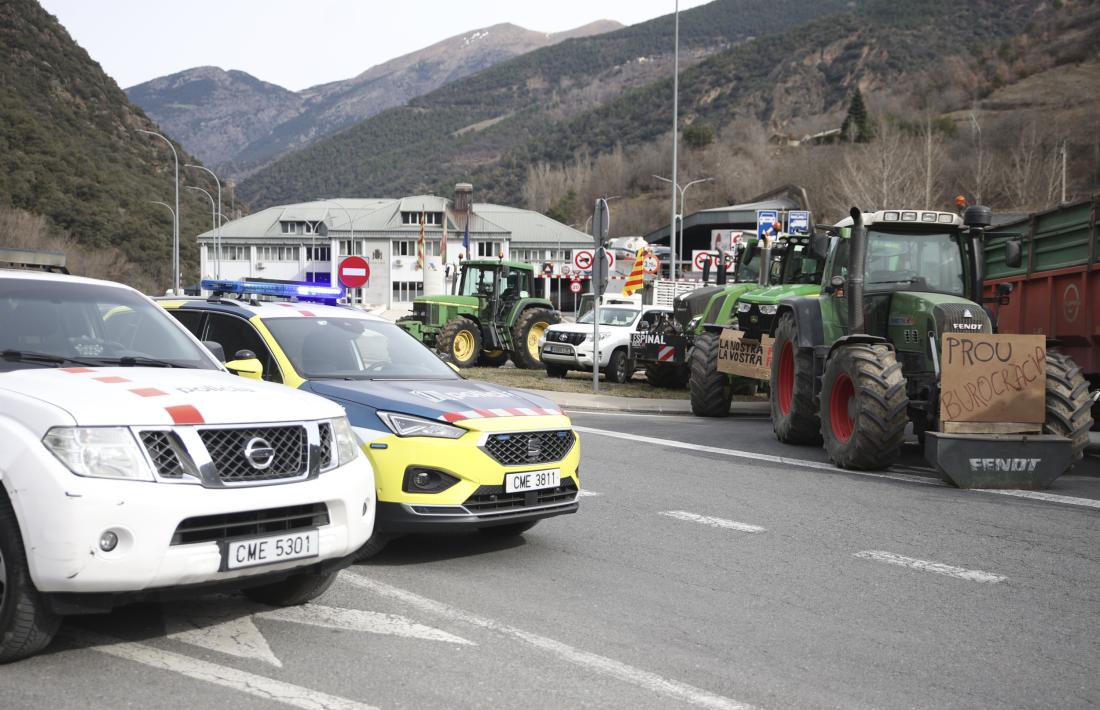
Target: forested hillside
(71, 155)
(474, 121)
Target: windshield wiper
(43, 358)
(138, 361)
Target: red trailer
(1056, 287)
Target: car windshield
(52, 322)
(913, 260)
(611, 316)
(355, 348)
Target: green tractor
(792, 270)
(492, 318)
(665, 350)
(858, 359)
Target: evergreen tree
(857, 124)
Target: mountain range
(236, 122)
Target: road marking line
(257, 685)
(972, 575)
(713, 522)
(769, 458)
(1046, 497)
(587, 661)
(225, 630)
(374, 622)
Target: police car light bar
(303, 291)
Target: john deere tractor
(860, 358)
(492, 318)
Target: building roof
(373, 217)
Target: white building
(307, 241)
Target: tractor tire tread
(711, 391)
(801, 425)
(1068, 405)
(882, 408)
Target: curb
(638, 405)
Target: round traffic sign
(651, 264)
(566, 269)
(700, 259)
(575, 286)
(582, 259)
(354, 271)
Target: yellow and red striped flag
(420, 245)
(637, 274)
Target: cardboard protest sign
(744, 358)
(993, 378)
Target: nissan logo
(259, 453)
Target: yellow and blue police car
(448, 453)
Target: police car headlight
(407, 425)
(744, 307)
(99, 452)
(346, 443)
(769, 310)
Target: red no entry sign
(354, 272)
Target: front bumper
(478, 499)
(578, 359)
(62, 516)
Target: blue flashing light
(303, 291)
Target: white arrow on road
(229, 627)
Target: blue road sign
(798, 223)
(765, 221)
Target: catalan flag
(420, 244)
(637, 274)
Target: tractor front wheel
(711, 392)
(460, 340)
(526, 333)
(1068, 405)
(863, 407)
(794, 407)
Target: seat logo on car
(259, 453)
(534, 449)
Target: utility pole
(675, 137)
(175, 215)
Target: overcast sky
(301, 43)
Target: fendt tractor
(860, 358)
(665, 350)
(492, 317)
(793, 270)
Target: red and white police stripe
(509, 412)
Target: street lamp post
(213, 226)
(175, 215)
(217, 227)
(675, 137)
(351, 248)
(165, 204)
(672, 235)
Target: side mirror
(819, 245)
(1014, 253)
(215, 349)
(249, 368)
(750, 252)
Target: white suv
(569, 346)
(132, 465)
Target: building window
(319, 277)
(407, 290)
(404, 247)
(229, 253)
(277, 253)
(318, 254)
(430, 218)
(488, 249)
(349, 247)
(289, 227)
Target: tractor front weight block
(1014, 461)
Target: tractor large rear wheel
(863, 407)
(711, 392)
(460, 340)
(529, 328)
(794, 407)
(1068, 405)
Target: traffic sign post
(354, 272)
(601, 225)
(575, 286)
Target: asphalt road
(702, 571)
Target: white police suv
(133, 465)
